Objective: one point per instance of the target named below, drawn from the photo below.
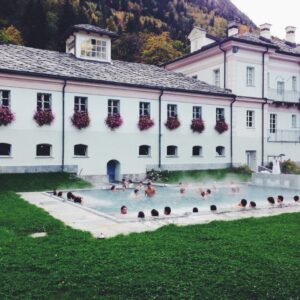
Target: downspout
(224, 51)
(63, 128)
(159, 128)
(263, 108)
(231, 131)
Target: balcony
(284, 95)
(284, 136)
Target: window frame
(197, 112)
(94, 48)
(250, 76)
(172, 110)
(9, 150)
(85, 152)
(44, 101)
(175, 151)
(273, 123)
(217, 77)
(250, 118)
(144, 109)
(223, 151)
(6, 99)
(80, 104)
(148, 151)
(294, 121)
(199, 148)
(113, 107)
(294, 83)
(280, 87)
(43, 156)
(220, 114)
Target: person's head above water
(167, 210)
(271, 200)
(154, 213)
(123, 210)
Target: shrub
(145, 123)
(153, 175)
(113, 121)
(290, 167)
(80, 119)
(197, 125)
(172, 123)
(6, 116)
(43, 117)
(221, 126)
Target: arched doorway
(113, 170)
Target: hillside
(151, 31)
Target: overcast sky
(278, 13)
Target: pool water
(108, 202)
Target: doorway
(251, 160)
(113, 170)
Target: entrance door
(251, 160)
(112, 170)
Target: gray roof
(31, 61)
(90, 28)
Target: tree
(159, 49)
(11, 35)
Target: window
(195, 76)
(172, 110)
(4, 98)
(80, 150)
(197, 151)
(280, 88)
(80, 103)
(94, 48)
(172, 151)
(43, 101)
(250, 76)
(144, 109)
(5, 149)
(220, 114)
(268, 79)
(250, 119)
(294, 121)
(220, 151)
(294, 83)
(216, 79)
(144, 150)
(43, 150)
(273, 123)
(113, 107)
(197, 112)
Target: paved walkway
(82, 218)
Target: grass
(245, 259)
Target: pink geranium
(80, 119)
(113, 121)
(6, 116)
(172, 123)
(221, 126)
(43, 117)
(145, 123)
(197, 125)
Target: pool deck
(79, 217)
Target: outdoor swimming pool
(108, 202)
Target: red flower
(145, 123)
(113, 121)
(197, 125)
(80, 119)
(221, 126)
(43, 117)
(172, 123)
(6, 116)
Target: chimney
(265, 31)
(232, 29)
(290, 34)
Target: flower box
(172, 123)
(43, 117)
(221, 126)
(113, 121)
(6, 116)
(197, 125)
(145, 123)
(80, 119)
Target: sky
(278, 13)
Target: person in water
(150, 190)
(135, 194)
(243, 203)
(123, 210)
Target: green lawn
(246, 259)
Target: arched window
(5, 149)
(197, 151)
(80, 150)
(43, 150)
(144, 150)
(220, 150)
(172, 151)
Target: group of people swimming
(141, 214)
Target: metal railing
(285, 95)
(284, 136)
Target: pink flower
(80, 119)
(145, 123)
(113, 121)
(197, 125)
(221, 126)
(43, 117)
(6, 116)
(172, 123)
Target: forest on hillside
(151, 31)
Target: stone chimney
(265, 31)
(290, 34)
(232, 29)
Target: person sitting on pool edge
(150, 190)
(167, 211)
(243, 203)
(123, 210)
(154, 213)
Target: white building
(86, 81)
(264, 73)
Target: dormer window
(94, 48)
